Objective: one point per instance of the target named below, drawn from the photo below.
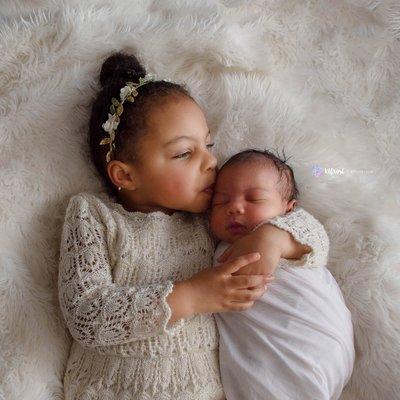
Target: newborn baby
(296, 341)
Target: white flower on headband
(111, 124)
(128, 92)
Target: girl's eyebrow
(183, 137)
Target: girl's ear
(122, 175)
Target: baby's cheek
(216, 221)
(258, 215)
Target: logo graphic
(317, 170)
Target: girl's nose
(211, 162)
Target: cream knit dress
(116, 270)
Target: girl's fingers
(245, 295)
(239, 262)
(256, 287)
(239, 306)
(248, 281)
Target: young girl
(136, 283)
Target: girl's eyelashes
(182, 155)
(188, 152)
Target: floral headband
(128, 93)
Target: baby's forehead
(263, 174)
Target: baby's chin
(230, 236)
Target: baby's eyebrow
(254, 188)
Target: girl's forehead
(181, 116)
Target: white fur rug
(321, 78)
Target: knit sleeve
(97, 311)
(306, 230)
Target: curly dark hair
(286, 181)
(115, 72)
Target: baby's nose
(235, 208)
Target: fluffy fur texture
(321, 78)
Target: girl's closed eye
(183, 155)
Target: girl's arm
(296, 235)
(97, 311)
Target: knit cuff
(167, 312)
(306, 230)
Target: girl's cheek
(179, 184)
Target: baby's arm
(270, 242)
(296, 236)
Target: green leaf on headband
(112, 109)
(114, 101)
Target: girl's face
(245, 195)
(176, 165)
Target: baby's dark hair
(286, 181)
(116, 70)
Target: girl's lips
(209, 189)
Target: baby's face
(245, 195)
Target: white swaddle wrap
(295, 343)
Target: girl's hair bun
(121, 66)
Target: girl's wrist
(189, 294)
(180, 301)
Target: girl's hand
(215, 289)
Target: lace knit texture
(116, 270)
